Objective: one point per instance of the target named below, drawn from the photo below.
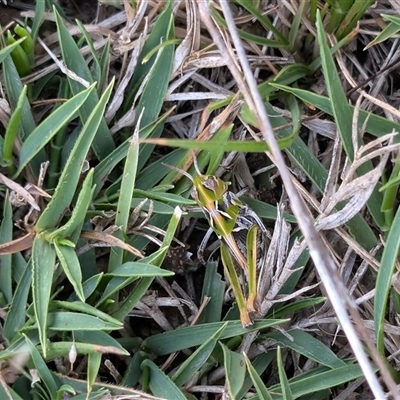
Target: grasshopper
(243, 236)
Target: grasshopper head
(208, 189)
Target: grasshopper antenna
(181, 171)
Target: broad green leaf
(8, 393)
(71, 321)
(213, 288)
(308, 346)
(179, 339)
(133, 372)
(294, 28)
(191, 365)
(387, 33)
(84, 308)
(298, 305)
(74, 61)
(99, 338)
(235, 370)
(160, 384)
(71, 266)
(352, 16)
(43, 262)
(114, 286)
(43, 133)
(61, 349)
(89, 286)
(69, 179)
(319, 379)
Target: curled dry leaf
(17, 245)
(106, 239)
(356, 191)
(21, 194)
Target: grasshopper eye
(211, 183)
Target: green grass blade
(235, 370)
(213, 288)
(263, 19)
(169, 342)
(139, 269)
(191, 365)
(5, 52)
(71, 266)
(17, 313)
(6, 235)
(44, 373)
(308, 346)
(43, 262)
(42, 134)
(374, 124)
(258, 383)
(83, 308)
(124, 198)
(250, 146)
(160, 32)
(320, 379)
(78, 215)
(71, 321)
(286, 392)
(160, 384)
(250, 37)
(69, 179)
(12, 132)
(294, 29)
(230, 272)
(37, 19)
(74, 61)
(144, 284)
(94, 362)
(384, 280)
